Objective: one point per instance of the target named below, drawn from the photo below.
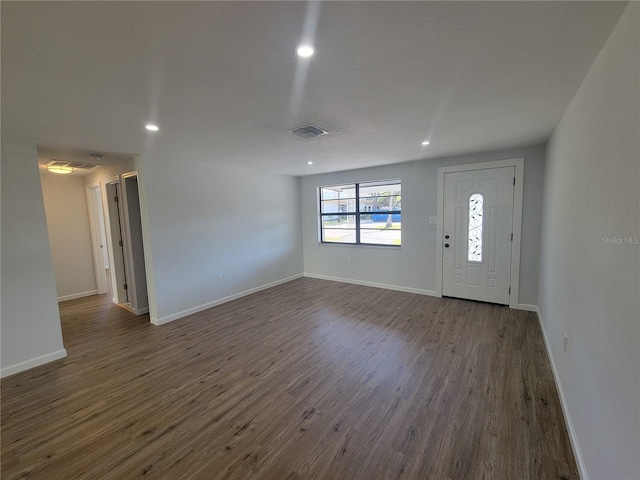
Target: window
(476, 202)
(362, 213)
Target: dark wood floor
(308, 380)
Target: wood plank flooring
(308, 380)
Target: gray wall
(413, 266)
(589, 288)
(30, 331)
(207, 219)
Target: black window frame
(357, 213)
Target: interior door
(115, 225)
(477, 234)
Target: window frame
(357, 213)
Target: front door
(477, 234)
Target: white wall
(205, 219)
(65, 204)
(30, 322)
(588, 288)
(413, 266)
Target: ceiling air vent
(57, 163)
(78, 165)
(308, 131)
(84, 166)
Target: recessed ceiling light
(151, 127)
(426, 142)
(309, 162)
(60, 170)
(305, 51)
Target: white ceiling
(219, 77)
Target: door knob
(446, 245)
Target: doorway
(129, 274)
(137, 294)
(479, 219)
(119, 280)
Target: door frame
(518, 164)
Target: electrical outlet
(565, 343)
(220, 277)
(348, 259)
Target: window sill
(361, 245)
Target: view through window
(367, 213)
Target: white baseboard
(32, 363)
(527, 307)
(135, 311)
(520, 306)
(582, 469)
(73, 296)
(364, 283)
(205, 306)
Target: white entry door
(477, 234)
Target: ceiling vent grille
(78, 165)
(308, 131)
(57, 163)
